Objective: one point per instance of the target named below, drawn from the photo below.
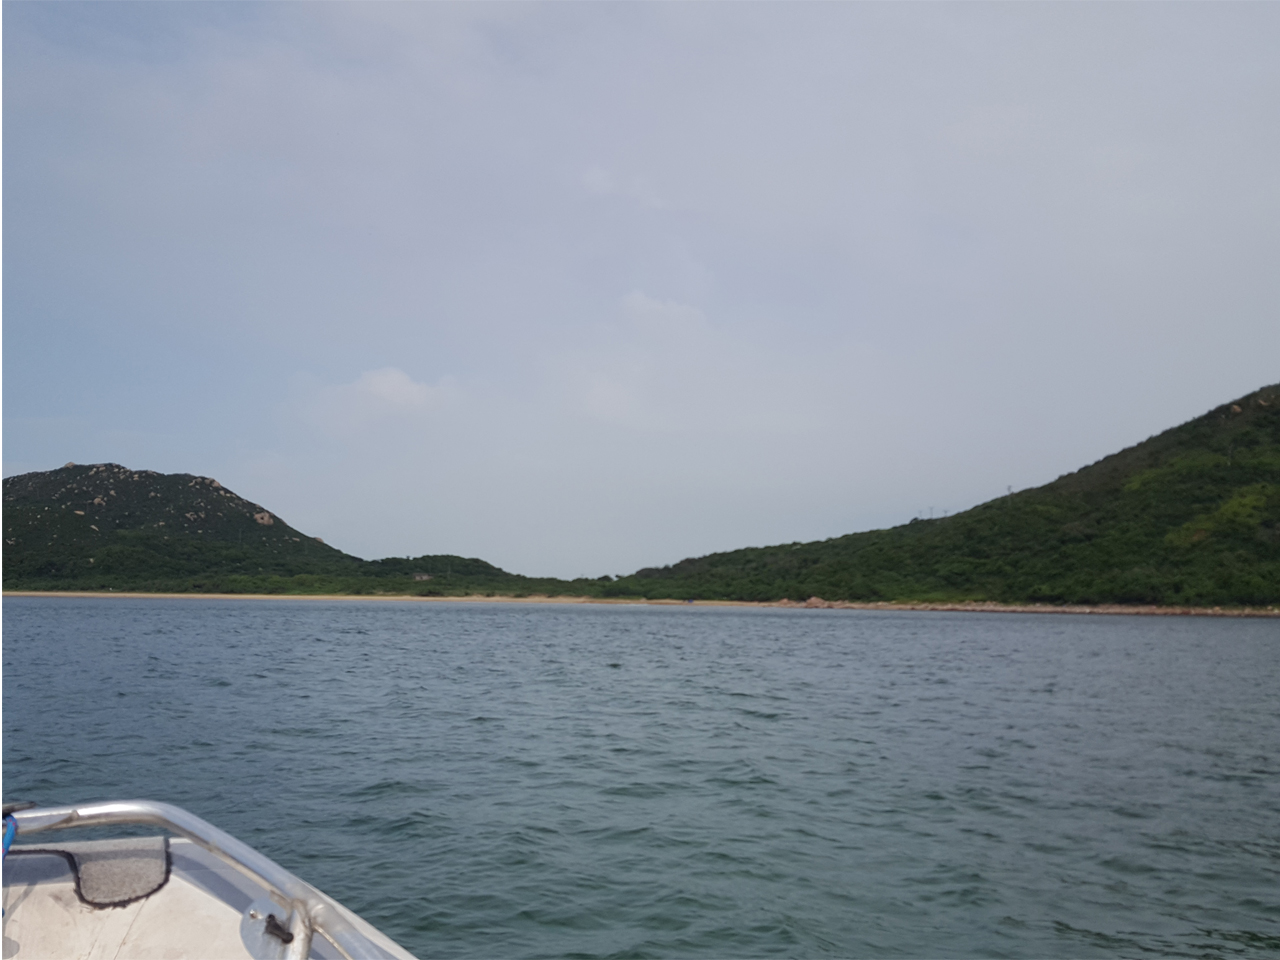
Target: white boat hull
(168, 898)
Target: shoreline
(813, 603)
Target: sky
(584, 288)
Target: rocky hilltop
(105, 521)
(103, 526)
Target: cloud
(391, 390)
(636, 189)
(664, 318)
(649, 368)
(662, 366)
(598, 181)
(386, 397)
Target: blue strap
(10, 831)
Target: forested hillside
(106, 527)
(1191, 516)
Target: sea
(507, 780)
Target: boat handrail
(318, 911)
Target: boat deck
(151, 897)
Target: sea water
(522, 780)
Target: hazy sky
(579, 288)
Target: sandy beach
(813, 603)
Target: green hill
(106, 527)
(1188, 517)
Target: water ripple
(532, 781)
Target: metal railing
(313, 911)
